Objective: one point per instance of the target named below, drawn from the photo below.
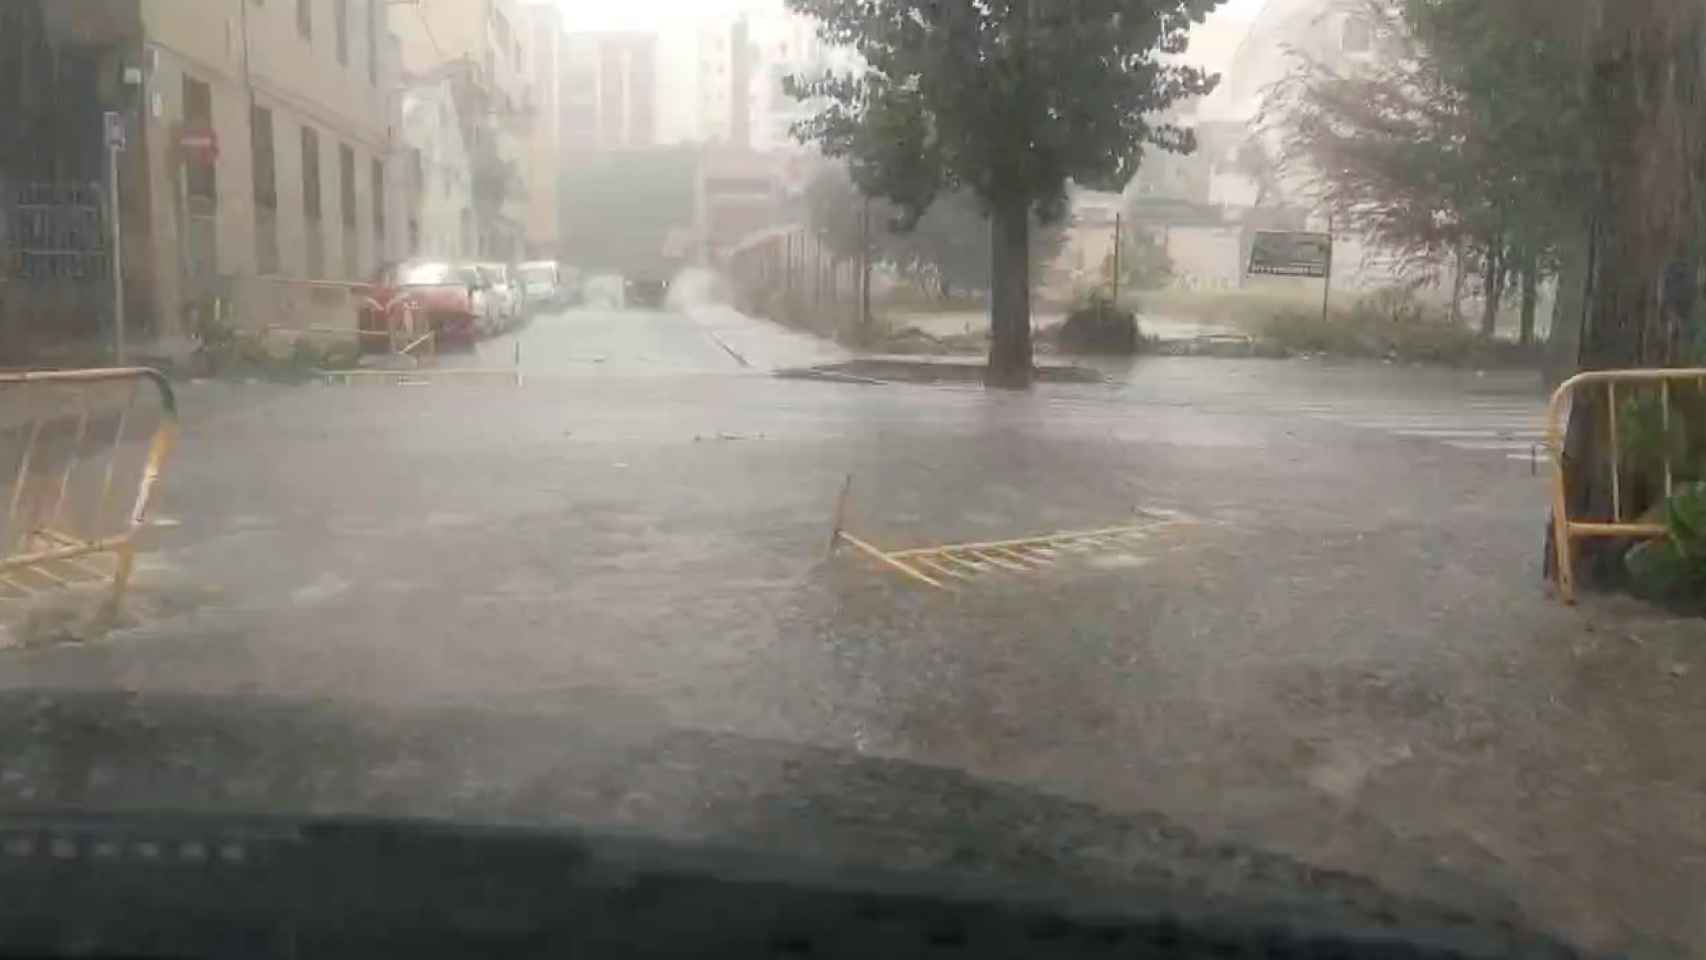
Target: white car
(541, 283)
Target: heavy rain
(1241, 460)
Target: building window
(340, 27)
(198, 115)
(305, 18)
(313, 233)
(378, 209)
(265, 168)
(373, 42)
(346, 198)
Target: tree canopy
(1009, 100)
(946, 250)
(1466, 134)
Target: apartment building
(610, 91)
(485, 48)
(545, 144)
(258, 142)
(437, 178)
(269, 134)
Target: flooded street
(1341, 652)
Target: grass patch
(1390, 324)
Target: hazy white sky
(1215, 43)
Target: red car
(407, 299)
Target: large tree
(1009, 99)
(1564, 135)
(1643, 75)
(1463, 139)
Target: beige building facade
(545, 142)
(488, 47)
(270, 128)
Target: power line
(420, 11)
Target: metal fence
(54, 232)
(83, 452)
(1644, 400)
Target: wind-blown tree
(1009, 99)
(950, 244)
(1644, 78)
(946, 250)
(1568, 135)
(1464, 137)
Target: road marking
(1491, 444)
(1474, 434)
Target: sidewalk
(762, 344)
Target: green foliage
(1672, 570)
(1100, 326)
(1389, 324)
(224, 349)
(1144, 262)
(1468, 132)
(946, 250)
(1008, 99)
(1646, 438)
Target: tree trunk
(1564, 341)
(1457, 288)
(1010, 298)
(1647, 68)
(1530, 298)
(1492, 287)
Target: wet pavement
(1345, 655)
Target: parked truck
(629, 213)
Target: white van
(541, 283)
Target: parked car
(506, 296)
(407, 299)
(646, 291)
(541, 283)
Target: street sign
(113, 123)
(199, 146)
(1284, 253)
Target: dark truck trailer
(628, 212)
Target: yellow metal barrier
(426, 345)
(934, 566)
(1566, 529)
(57, 530)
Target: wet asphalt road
(1344, 654)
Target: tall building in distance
(485, 50)
(738, 65)
(609, 91)
(258, 135)
(545, 146)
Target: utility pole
(865, 265)
(1327, 280)
(1118, 232)
(113, 122)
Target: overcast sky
(1214, 45)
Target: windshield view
(1227, 465)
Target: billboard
(1287, 253)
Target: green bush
(1390, 323)
(1099, 326)
(1672, 570)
